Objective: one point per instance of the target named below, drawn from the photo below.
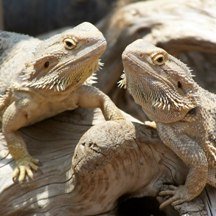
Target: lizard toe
(25, 168)
(22, 174)
(29, 172)
(169, 201)
(166, 193)
(33, 166)
(178, 196)
(15, 174)
(178, 202)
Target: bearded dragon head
(160, 83)
(66, 60)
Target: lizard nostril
(179, 85)
(46, 64)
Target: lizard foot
(178, 196)
(24, 168)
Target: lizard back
(15, 51)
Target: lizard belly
(41, 111)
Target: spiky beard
(122, 82)
(161, 97)
(58, 81)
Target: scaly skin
(39, 79)
(185, 114)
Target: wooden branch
(111, 160)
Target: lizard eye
(70, 43)
(158, 59)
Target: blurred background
(38, 16)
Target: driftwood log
(89, 170)
(112, 160)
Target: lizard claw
(24, 168)
(178, 196)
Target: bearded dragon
(185, 113)
(39, 79)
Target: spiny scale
(122, 83)
(93, 78)
(55, 82)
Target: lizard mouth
(83, 72)
(72, 76)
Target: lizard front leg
(4, 101)
(13, 119)
(91, 97)
(193, 156)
